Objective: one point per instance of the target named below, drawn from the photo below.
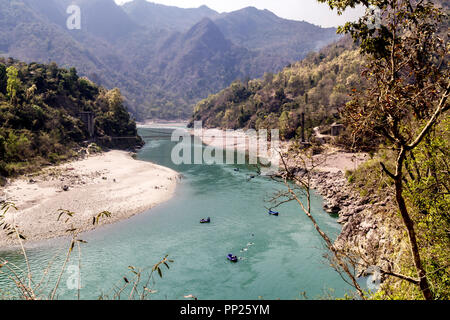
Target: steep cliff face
(368, 228)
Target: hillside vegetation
(392, 96)
(318, 86)
(40, 123)
(163, 59)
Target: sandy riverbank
(111, 181)
(331, 160)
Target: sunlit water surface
(280, 257)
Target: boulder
(3, 181)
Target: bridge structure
(88, 120)
(157, 135)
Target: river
(280, 257)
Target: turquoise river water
(280, 257)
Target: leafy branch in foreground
(297, 173)
(74, 241)
(31, 290)
(299, 190)
(28, 288)
(407, 93)
(139, 285)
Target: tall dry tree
(405, 43)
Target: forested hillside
(40, 122)
(163, 59)
(390, 90)
(318, 86)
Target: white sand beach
(330, 160)
(111, 181)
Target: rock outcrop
(366, 227)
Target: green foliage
(350, 176)
(372, 33)
(428, 201)
(161, 73)
(40, 120)
(317, 86)
(13, 83)
(405, 99)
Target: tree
(13, 83)
(284, 124)
(407, 89)
(3, 78)
(115, 99)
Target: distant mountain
(35, 31)
(317, 86)
(262, 30)
(157, 16)
(188, 61)
(103, 18)
(50, 9)
(164, 59)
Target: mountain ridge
(317, 86)
(151, 14)
(162, 73)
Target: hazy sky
(308, 10)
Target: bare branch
(441, 108)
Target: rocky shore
(364, 219)
(365, 227)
